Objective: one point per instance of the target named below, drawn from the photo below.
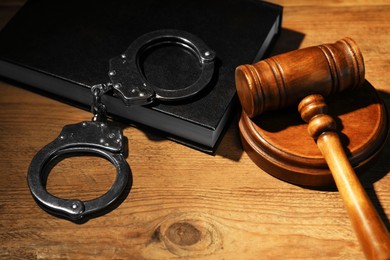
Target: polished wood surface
(184, 203)
(370, 230)
(278, 142)
(285, 79)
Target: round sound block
(278, 141)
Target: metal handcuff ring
(89, 137)
(131, 85)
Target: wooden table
(182, 202)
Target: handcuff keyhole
(81, 177)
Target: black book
(64, 48)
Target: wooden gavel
(306, 76)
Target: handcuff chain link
(98, 109)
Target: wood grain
(278, 142)
(283, 80)
(369, 228)
(219, 207)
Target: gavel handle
(369, 228)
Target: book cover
(64, 48)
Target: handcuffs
(100, 138)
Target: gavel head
(285, 79)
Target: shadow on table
(230, 146)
